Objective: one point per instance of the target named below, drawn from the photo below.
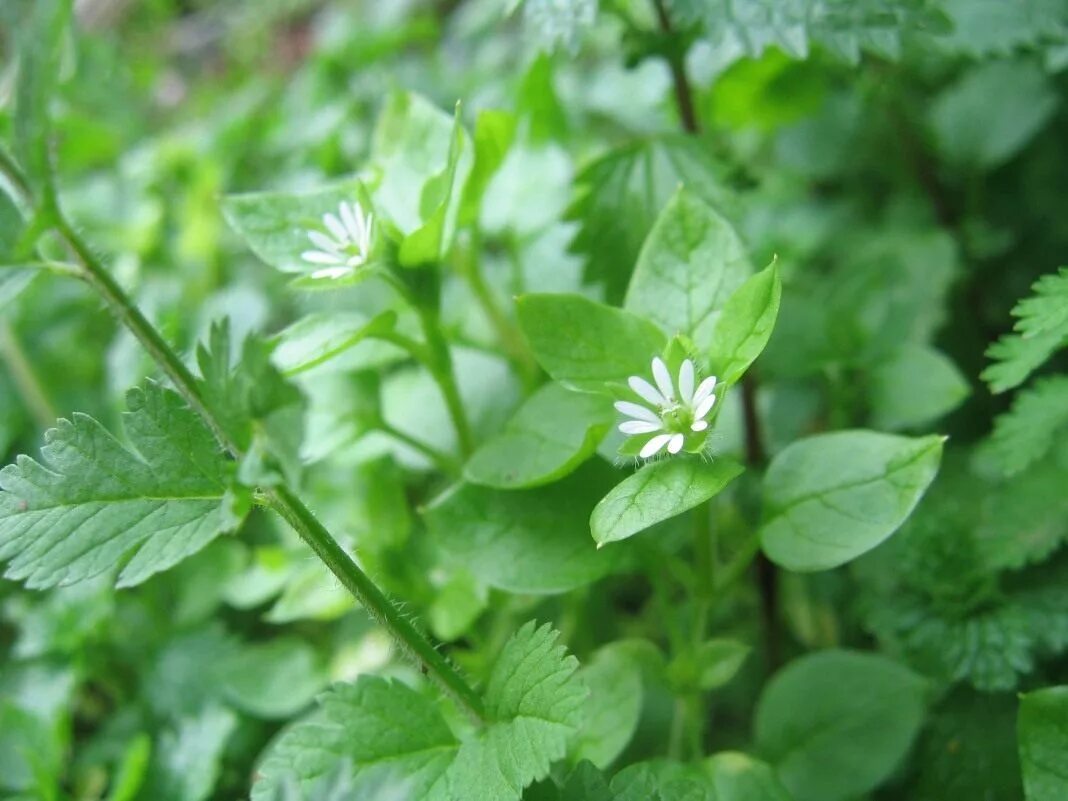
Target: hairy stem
(282, 499)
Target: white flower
(671, 415)
(347, 244)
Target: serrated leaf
(275, 225)
(831, 497)
(745, 324)
(1037, 422)
(662, 780)
(691, 263)
(525, 541)
(584, 344)
(915, 385)
(550, 435)
(985, 27)
(618, 198)
(1043, 730)
(1040, 330)
(91, 505)
(559, 22)
(395, 742)
(835, 724)
(658, 492)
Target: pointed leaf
(745, 325)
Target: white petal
(704, 389)
(356, 260)
(653, 446)
(699, 425)
(704, 407)
(323, 242)
(318, 257)
(663, 378)
(686, 381)
(365, 238)
(638, 427)
(331, 272)
(646, 390)
(336, 228)
(676, 443)
(352, 225)
(639, 412)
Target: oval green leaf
(835, 724)
(832, 497)
(657, 492)
(745, 326)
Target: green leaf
(321, 337)
(559, 22)
(40, 49)
(396, 741)
(187, 759)
(992, 27)
(274, 679)
(970, 134)
(657, 492)
(584, 344)
(620, 195)
(690, 264)
(526, 541)
(740, 777)
(745, 325)
(831, 497)
(916, 385)
(845, 29)
(1043, 732)
(835, 724)
(1037, 422)
(275, 225)
(91, 505)
(1041, 329)
(612, 711)
(551, 434)
(439, 205)
(661, 780)
(586, 783)
(494, 134)
(711, 664)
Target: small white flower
(347, 244)
(674, 412)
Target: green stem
(26, 381)
(439, 362)
(288, 505)
(443, 461)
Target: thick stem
(288, 505)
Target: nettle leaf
(92, 504)
(985, 27)
(275, 225)
(395, 742)
(1040, 330)
(584, 344)
(740, 777)
(795, 26)
(662, 780)
(970, 134)
(1043, 732)
(552, 433)
(916, 385)
(835, 724)
(831, 497)
(1037, 421)
(620, 195)
(527, 541)
(691, 262)
(745, 324)
(659, 491)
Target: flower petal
(331, 272)
(324, 242)
(663, 378)
(704, 407)
(319, 257)
(639, 412)
(646, 390)
(653, 446)
(704, 389)
(686, 375)
(638, 427)
(336, 228)
(349, 219)
(676, 443)
(699, 425)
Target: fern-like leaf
(1037, 421)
